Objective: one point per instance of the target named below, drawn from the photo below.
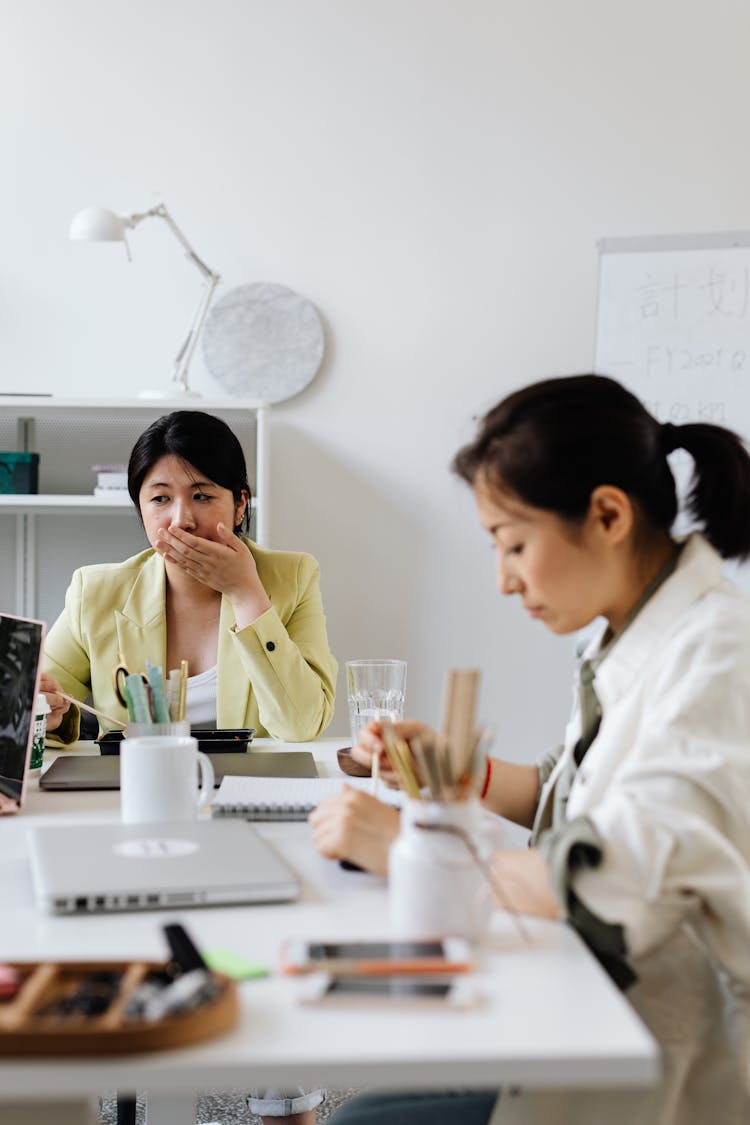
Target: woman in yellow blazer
(249, 621)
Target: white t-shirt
(200, 710)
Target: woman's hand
(357, 827)
(370, 744)
(224, 564)
(58, 706)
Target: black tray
(226, 741)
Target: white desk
(588, 1036)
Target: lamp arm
(211, 280)
(185, 354)
(161, 212)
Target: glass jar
(435, 884)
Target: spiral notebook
(286, 798)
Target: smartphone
(413, 992)
(372, 958)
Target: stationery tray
(25, 1029)
(222, 741)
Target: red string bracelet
(487, 777)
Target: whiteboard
(673, 325)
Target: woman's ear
(611, 512)
(241, 509)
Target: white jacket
(666, 784)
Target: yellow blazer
(277, 674)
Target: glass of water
(375, 690)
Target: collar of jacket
(142, 634)
(698, 570)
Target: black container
(227, 741)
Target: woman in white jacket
(640, 822)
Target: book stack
(111, 480)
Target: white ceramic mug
(159, 779)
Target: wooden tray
(26, 1030)
(348, 764)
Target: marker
(187, 992)
(184, 953)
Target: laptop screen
(20, 659)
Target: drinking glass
(375, 690)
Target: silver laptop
(20, 659)
(85, 869)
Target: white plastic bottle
(435, 884)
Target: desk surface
(551, 1017)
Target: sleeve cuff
(268, 630)
(546, 764)
(69, 729)
(567, 849)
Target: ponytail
(719, 496)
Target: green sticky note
(234, 964)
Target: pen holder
(435, 882)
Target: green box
(19, 472)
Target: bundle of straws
(451, 765)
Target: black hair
(552, 443)
(200, 439)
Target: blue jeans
(275, 1102)
(438, 1107)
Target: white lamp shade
(98, 224)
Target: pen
(182, 702)
(86, 707)
(375, 774)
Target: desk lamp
(99, 224)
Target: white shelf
(24, 406)
(40, 504)
(46, 503)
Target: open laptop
(21, 642)
(98, 868)
(91, 771)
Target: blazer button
(270, 646)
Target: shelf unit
(70, 434)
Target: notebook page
(286, 798)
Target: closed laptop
(94, 868)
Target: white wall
(434, 176)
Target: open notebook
(286, 798)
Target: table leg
(126, 1109)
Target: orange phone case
(374, 966)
